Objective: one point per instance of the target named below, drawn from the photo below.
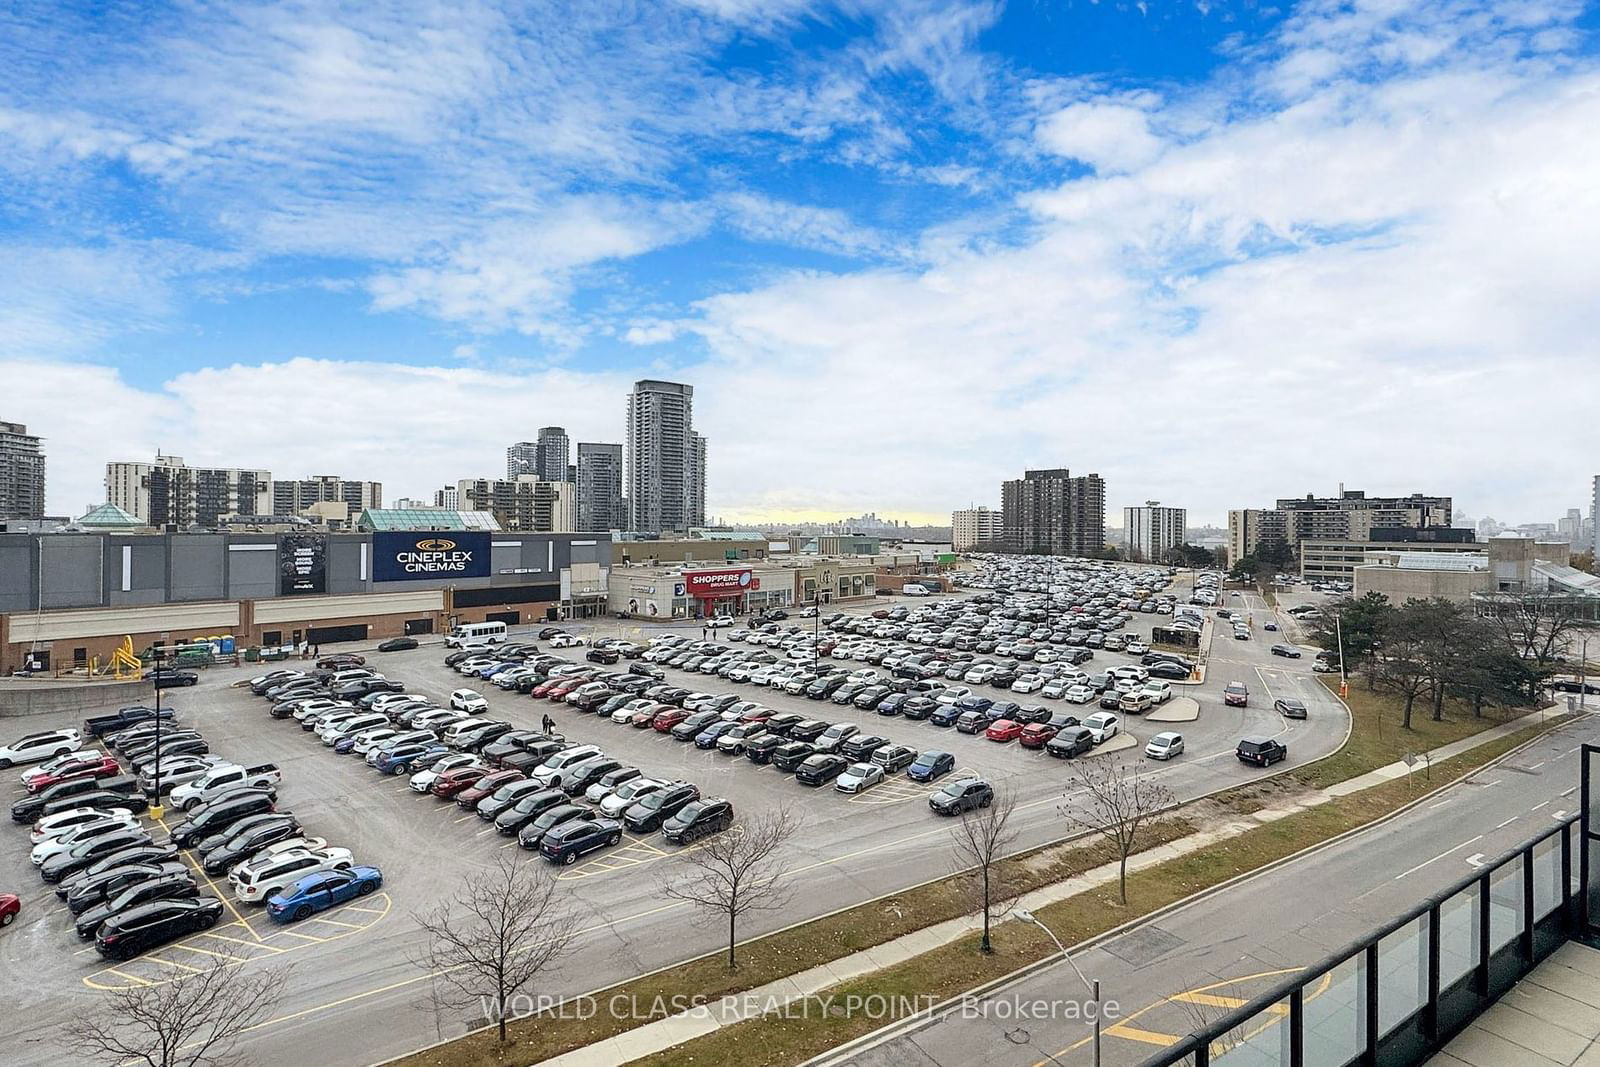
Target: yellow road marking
(308, 937)
(227, 901)
(334, 922)
(207, 952)
(1149, 1037)
(368, 911)
(1212, 1000)
(257, 943)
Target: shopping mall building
(68, 598)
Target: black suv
(820, 768)
(1261, 751)
(656, 808)
(144, 926)
(707, 816)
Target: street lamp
(156, 810)
(1093, 987)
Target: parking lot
(850, 848)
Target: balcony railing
(1400, 993)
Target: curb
(911, 1024)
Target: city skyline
(1047, 216)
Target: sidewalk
(665, 1033)
(1549, 1019)
(1399, 769)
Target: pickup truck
(222, 778)
(100, 725)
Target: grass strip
(798, 1035)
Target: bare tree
(735, 872)
(494, 937)
(1119, 804)
(1535, 627)
(980, 841)
(193, 1021)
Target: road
(1203, 959)
(357, 997)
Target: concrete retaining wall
(20, 697)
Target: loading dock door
(327, 635)
(510, 618)
(419, 626)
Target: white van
(487, 633)
(913, 589)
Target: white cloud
(1111, 138)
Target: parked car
(1261, 751)
(649, 812)
(398, 644)
(1069, 742)
(321, 891)
(894, 758)
(38, 747)
(789, 755)
(170, 677)
(1103, 726)
(122, 718)
(527, 808)
(65, 768)
(271, 871)
(697, 819)
(858, 778)
(820, 769)
(626, 794)
(147, 926)
(565, 842)
(1165, 745)
(161, 887)
(1003, 730)
(930, 766)
(962, 795)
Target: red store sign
(711, 585)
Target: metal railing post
(1527, 906)
(1369, 1056)
(1297, 1027)
(1481, 981)
(1430, 1011)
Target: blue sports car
(319, 892)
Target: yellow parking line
(308, 937)
(366, 911)
(208, 952)
(171, 963)
(335, 922)
(130, 977)
(257, 943)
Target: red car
(669, 718)
(100, 767)
(341, 660)
(756, 715)
(469, 797)
(1003, 730)
(558, 693)
(1236, 695)
(647, 716)
(450, 783)
(10, 905)
(1036, 735)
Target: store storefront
(721, 592)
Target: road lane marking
(1539, 805)
(333, 922)
(1133, 1033)
(130, 977)
(1435, 859)
(1475, 860)
(173, 963)
(1508, 822)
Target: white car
(1055, 689)
(1078, 693)
(73, 836)
(1164, 746)
(1160, 690)
(1136, 647)
(624, 715)
(566, 641)
(1102, 726)
(719, 620)
(1132, 672)
(858, 778)
(1028, 683)
(733, 742)
(469, 701)
(38, 747)
(367, 740)
(62, 822)
(261, 876)
(954, 694)
(434, 718)
(553, 772)
(614, 803)
(422, 781)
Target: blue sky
(903, 250)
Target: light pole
(156, 810)
(1093, 987)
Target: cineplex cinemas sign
(411, 557)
